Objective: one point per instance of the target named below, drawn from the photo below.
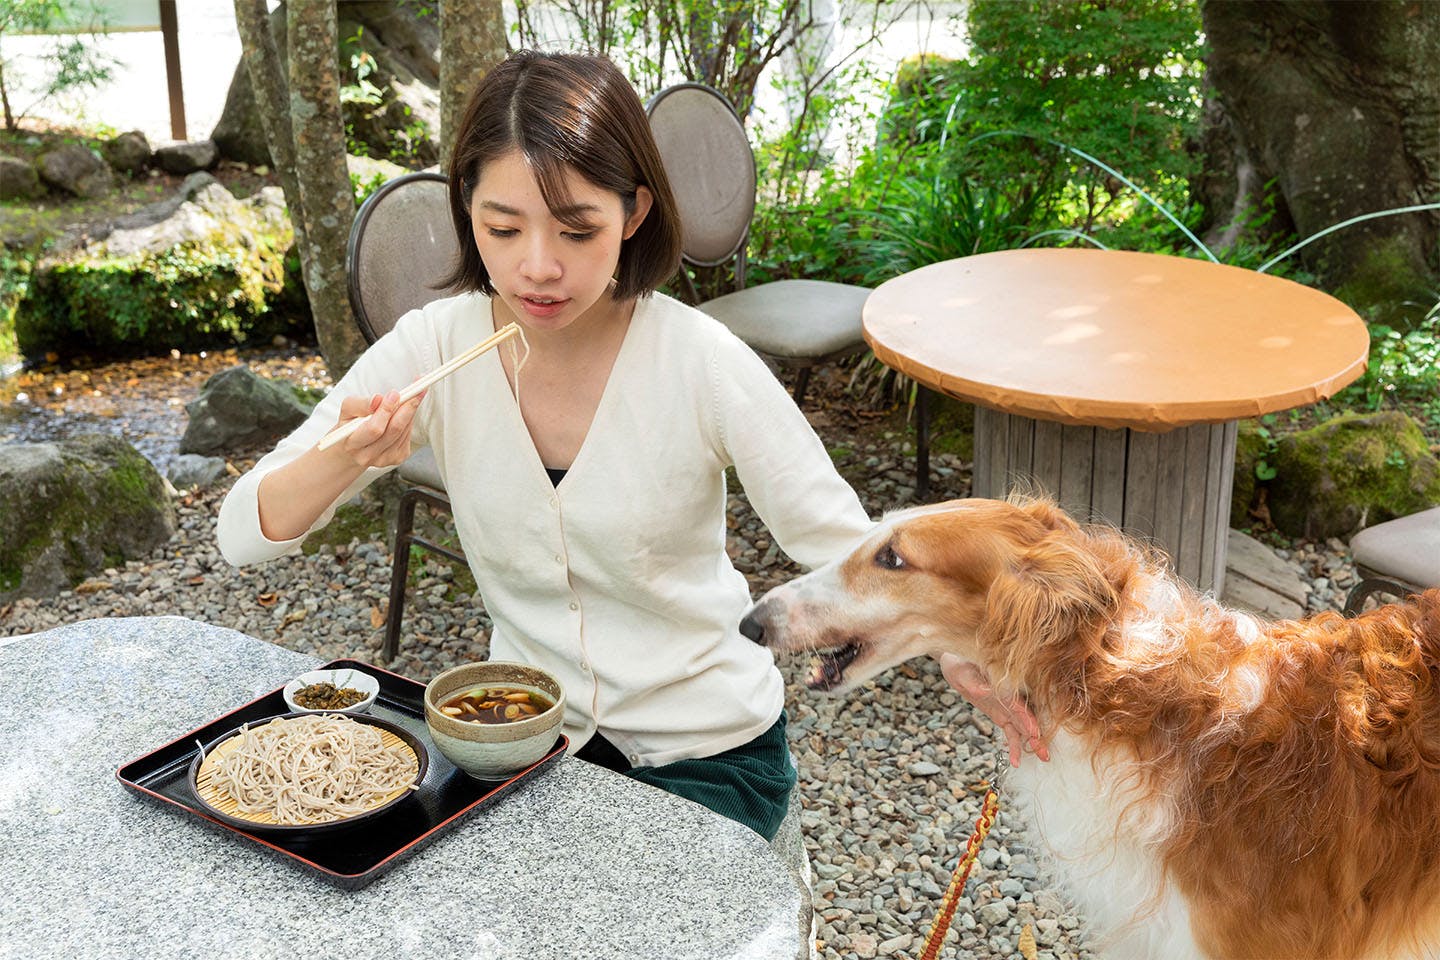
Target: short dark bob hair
(566, 110)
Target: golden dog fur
(1248, 789)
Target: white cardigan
(616, 581)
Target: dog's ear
(1049, 514)
(1052, 604)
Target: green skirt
(749, 784)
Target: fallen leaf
(909, 671)
(5, 610)
(1026, 944)
(94, 586)
(377, 617)
(195, 581)
(267, 599)
(230, 469)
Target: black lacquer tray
(351, 856)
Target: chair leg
(399, 570)
(1363, 590)
(802, 380)
(922, 442)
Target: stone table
(598, 866)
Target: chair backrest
(711, 169)
(401, 246)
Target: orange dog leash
(983, 823)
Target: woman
(586, 473)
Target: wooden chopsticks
(434, 376)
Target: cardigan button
(574, 606)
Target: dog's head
(1008, 586)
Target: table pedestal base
(1171, 489)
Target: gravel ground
(891, 776)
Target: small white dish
(341, 678)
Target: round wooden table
(1113, 380)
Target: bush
(187, 297)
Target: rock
(236, 407)
(70, 509)
(192, 470)
(128, 152)
(402, 42)
(922, 768)
(76, 170)
(1253, 443)
(182, 158)
(1258, 580)
(371, 171)
(187, 273)
(18, 179)
(1350, 472)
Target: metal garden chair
(1397, 557)
(401, 245)
(797, 324)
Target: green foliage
(985, 153)
(402, 137)
(928, 219)
(69, 65)
(1115, 80)
(187, 297)
(1264, 469)
(14, 281)
(363, 187)
(362, 65)
(1403, 366)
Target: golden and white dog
(1217, 785)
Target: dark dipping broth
(496, 704)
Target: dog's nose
(750, 626)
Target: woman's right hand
(383, 440)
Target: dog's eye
(888, 558)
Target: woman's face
(548, 273)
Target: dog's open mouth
(829, 672)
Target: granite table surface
(599, 866)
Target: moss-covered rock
(213, 270)
(1254, 446)
(1350, 472)
(69, 509)
(238, 408)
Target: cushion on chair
(421, 469)
(1407, 548)
(794, 319)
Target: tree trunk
(324, 184)
(301, 120)
(472, 40)
(1339, 104)
(260, 56)
(403, 38)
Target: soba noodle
(517, 360)
(313, 769)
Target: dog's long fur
(1219, 786)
